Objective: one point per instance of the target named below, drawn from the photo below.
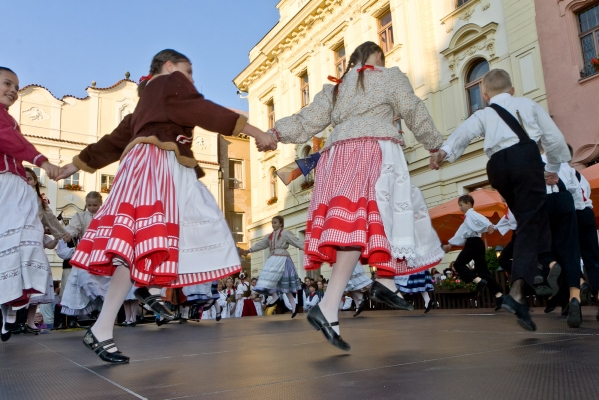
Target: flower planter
(272, 200)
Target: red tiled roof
(70, 95)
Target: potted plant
(72, 186)
(307, 184)
(105, 189)
(456, 286)
(595, 63)
(272, 200)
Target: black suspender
(578, 176)
(511, 121)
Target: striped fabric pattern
(139, 222)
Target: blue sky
(65, 44)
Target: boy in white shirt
(468, 235)
(515, 169)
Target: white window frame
(232, 172)
(242, 233)
(70, 179)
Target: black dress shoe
(543, 290)
(566, 310)
(29, 329)
(360, 307)
(218, 317)
(499, 302)
(429, 307)
(295, 311)
(574, 315)
(5, 336)
(320, 323)
(480, 286)
(522, 313)
(585, 291)
(154, 302)
(552, 278)
(101, 349)
(551, 305)
(382, 294)
(161, 321)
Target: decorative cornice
(464, 13)
(458, 51)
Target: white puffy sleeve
(311, 120)
(293, 240)
(264, 243)
(476, 222)
(413, 111)
(460, 236)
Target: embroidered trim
(36, 157)
(198, 223)
(275, 133)
(183, 139)
(361, 139)
(210, 247)
(17, 230)
(10, 274)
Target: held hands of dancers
(51, 170)
(67, 171)
(264, 141)
(446, 248)
(551, 178)
(437, 159)
(491, 229)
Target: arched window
(273, 182)
(474, 93)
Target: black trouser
(589, 245)
(506, 256)
(564, 236)
(517, 174)
(475, 250)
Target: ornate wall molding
(36, 114)
(469, 40)
(464, 13)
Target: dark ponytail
(158, 62)
(359, 56)
(37, 187)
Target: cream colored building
(61, 128)
(443, 46)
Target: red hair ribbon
(364, 68)
(334, 80)
(146, 78)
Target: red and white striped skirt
(162, 222)
(344, 212)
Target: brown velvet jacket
(168, 110)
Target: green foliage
(491, 259)
(451, 284)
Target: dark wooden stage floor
(451, 354)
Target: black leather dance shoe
(360, 307)
(499, 302)
(382, 294)
(585, 294)
(295, 311)
(553, 278)
(9, 327)
(429, 307)
(101, 349)
(29, 329)
(574, 315)
(218, 316)
(522, 313)
(320, 323)
(154, 302)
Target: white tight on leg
(342, 270)
(389, 283)
(426, 298)
(357, 296)
(291, 301)
(31, 316)
(120, 285)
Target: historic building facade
(443, 46)
(569, 39)
(61, 128)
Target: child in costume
(511, 127)
(468, 235)
(279, 273)
(159, 226)
(24, 263)
(363, 206)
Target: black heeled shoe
(154, 302)
(320, 323)
(101, 349)
(218, 317)
(382, 294)
(294, 311)
(360, 307)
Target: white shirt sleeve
(63, 251)
(457, 142)
(460, 236)
(552, 140)
(476, 222)
(585, 187)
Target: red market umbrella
(592, 175)
(447, 217)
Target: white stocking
(274, 298)
(389, 283)
(31, 316)
(426, 298)
(127, 311)
(357, 296)
(342, 270)
(120, 285)
(291, 301)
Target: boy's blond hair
(495, 82)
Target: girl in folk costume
(363, 206)
(245, 305)
(24, 267)
(358, 281)
(421, 282)
(205, 295)
(159, 226)
(56, 229)
(229, 293)
(279, 273)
